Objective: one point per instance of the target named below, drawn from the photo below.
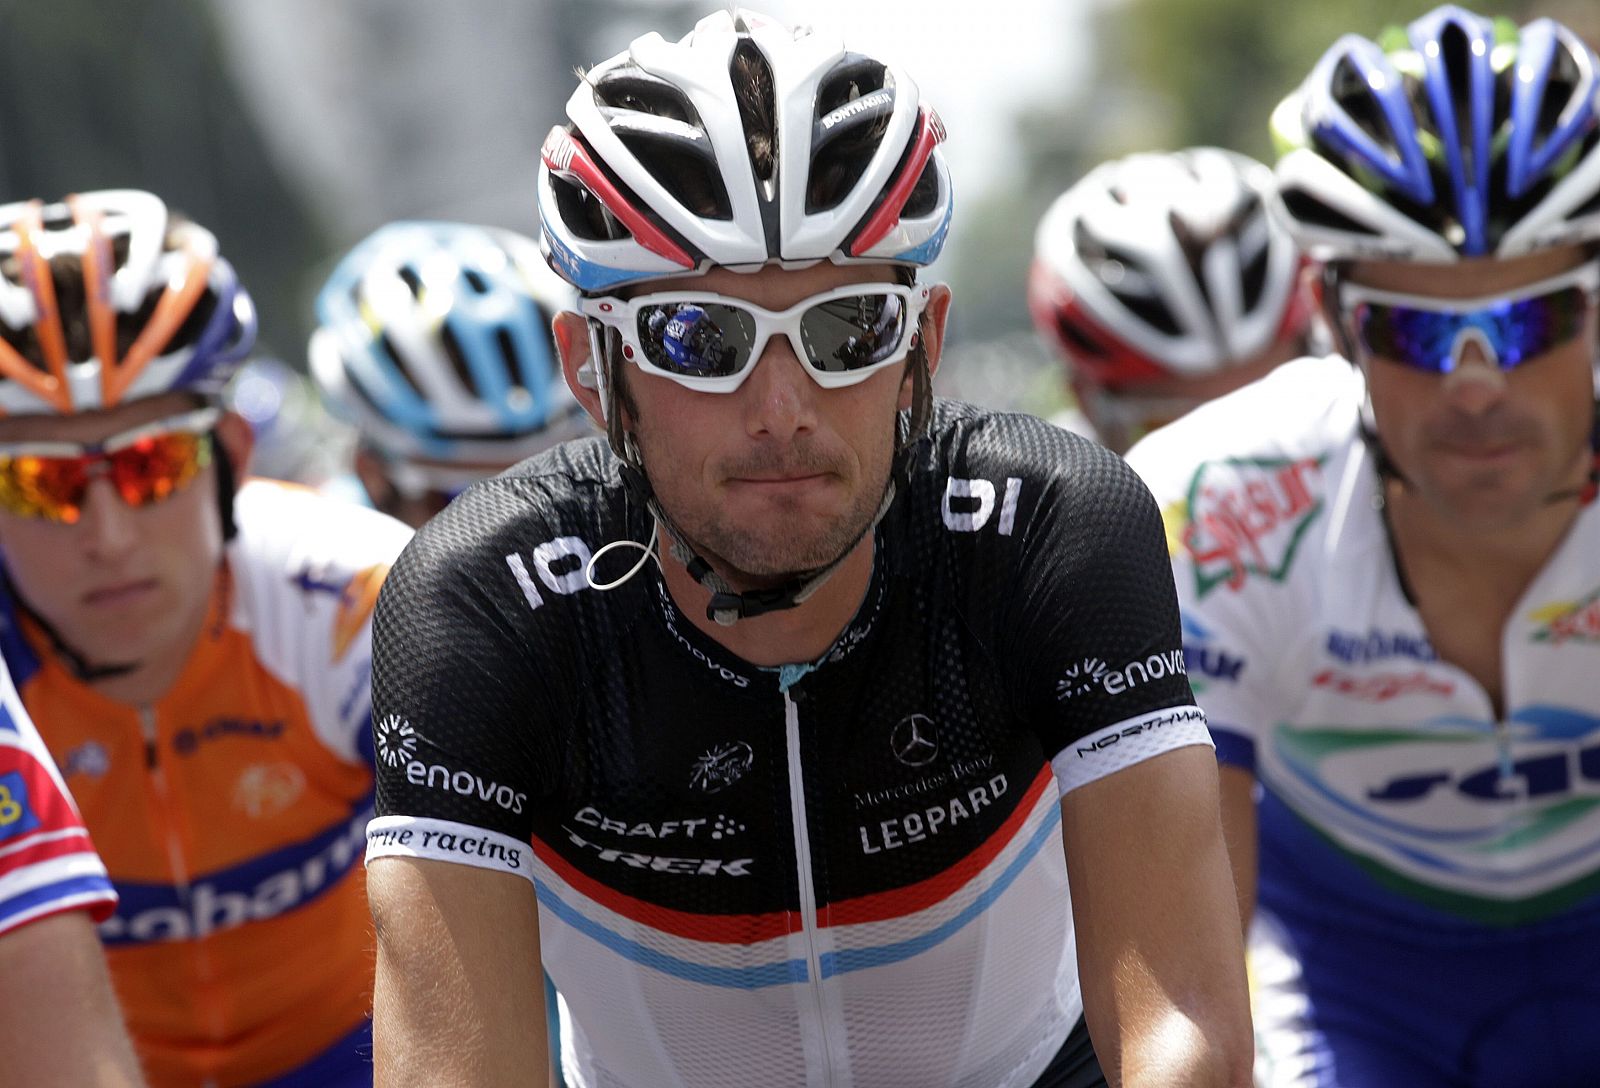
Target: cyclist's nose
(107, 523)
(780, 397)
(1477, 383)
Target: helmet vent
(758, 107)
(387, 347)
(1077, 339)
(1308, 209)
(924, 194)
(412, 280)
(458, 359)
(1349, 88)
(845, 136)
(475, 280)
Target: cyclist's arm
(1238, 785)
(1160, 953)
(459, 998)
(59, 1020)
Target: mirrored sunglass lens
(43, 487)
(158, 466)
(1518, 330)
(697, 339)
(1529, 327)
(854, 332)
(1418, 338)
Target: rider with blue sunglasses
(1390, 573)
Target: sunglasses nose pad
(1474, 361)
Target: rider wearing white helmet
(1162, 282)
(793, 804)
(434, 343)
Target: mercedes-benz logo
(915, 741)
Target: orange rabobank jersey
(231, 812)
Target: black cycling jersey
(843, 867)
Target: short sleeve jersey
(849, 868)
(1396, 800)
(47, 863)
(231, 811)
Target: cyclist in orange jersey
(193, 651)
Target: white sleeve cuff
(446, 840)
(1128, 742)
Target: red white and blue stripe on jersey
(752, 951)
(47, 862)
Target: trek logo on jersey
(396, 740)
(917, 826)
(715, 827)
(1383, 686)
(721, 767)
(660, 863)
(1363, 648)
(1245, 517)
(16, 817)
(1569, 621)
(969, 504)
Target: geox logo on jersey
(1250, 523)
(1569, 621)
(234, 897)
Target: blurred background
(293, 127)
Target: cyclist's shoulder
(285, 529)
(555, 508)
(1306, 411)
(969, 442)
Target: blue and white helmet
(434, 341)
(1454, 137)
(664, 171)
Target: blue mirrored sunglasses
(1430, 333)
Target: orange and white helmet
(106, 298)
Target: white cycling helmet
(435, 343)
(665, 172)
(1164, 265)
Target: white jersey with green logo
(1394, 796)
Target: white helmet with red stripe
(744, 144)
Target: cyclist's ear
(930, 339)
(238, 442)
(571, 332)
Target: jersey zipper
(181, 883)
(815, 1041)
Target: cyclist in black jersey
(762, 722)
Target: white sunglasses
(709, 342)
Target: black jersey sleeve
(463, 709)
(1090, 629)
